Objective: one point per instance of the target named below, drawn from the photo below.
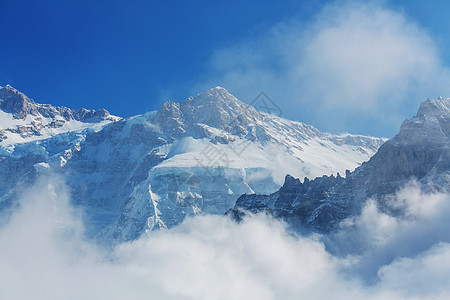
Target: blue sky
(344, 66)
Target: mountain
(22, 120)
(420, 151)
(151, 171)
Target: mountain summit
(24, 120)
(215, 108)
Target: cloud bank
(45, 256)
(358, 67)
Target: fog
(44, 255)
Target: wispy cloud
(358, 67)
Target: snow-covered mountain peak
(220, 99)
(434, 107)
(431, 125)
(220, 109)
(23, 120)
(15, 102)
(215, 108)
(215, 94)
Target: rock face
(421, 151)
(151, 171)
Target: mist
(44, 254)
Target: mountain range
(137, 174)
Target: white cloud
(355, 67)
(364, 53)
(44, 256)
(376, 239)
(424, 276)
